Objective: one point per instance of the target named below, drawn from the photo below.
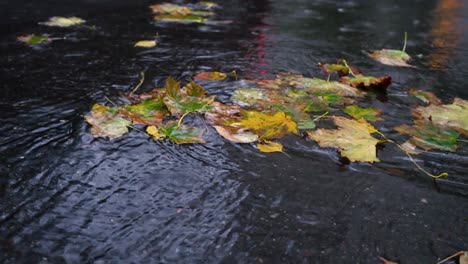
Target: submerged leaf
(33, 39)
(365, 82)
(210, 76)
(368, 113)
(63, 21)
(453, 115)
(391, 57)
(146, 43)
(184, 134)
(429, 136)
(106, 123)
(425, 96)
(235, 135)
(267, 126)
(269, 146)
(352, 138)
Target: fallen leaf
(146, 43)
(33, 39)
(63, 21)
(210, 76)
(428, 136)
(235, 135)
(269, 146)
(267, 126)
(368, 113)
(106, 123)
(313, 85)
(154, 132)
(463, 258)
(149, 112)
(180, 18)
(246, 97)
(341, 69)
(180, 103)
(453, 115)
(194, 89)
(391, 57)
(184, 134)
(365, 82)
(222, 114)
(208, 5)
(170, 9)
(352, 138)
(425, 96)
(408, 147)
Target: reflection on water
(446, 32)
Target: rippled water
(67, 197)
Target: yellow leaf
(268, 126)
(352, 138)
(236, 136)
(270, 146)
(154, 132)
(63, 21)
(210, 76)
(146, 43)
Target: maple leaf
(453, 115)
(106, 123)
(429, 136)
(180, 103)
(367, 113)
(352, 138)
(366, 82)
(183, 134)
(391, 57)
(63, 21)
(269, 146)
(149, 112)
(267, 126)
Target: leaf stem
(406, 40)
(450, 257)
(320, 116)
(181, 118)
(142, 79)
(349, 69)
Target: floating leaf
(368, 113)
(149, 112)
(184, 134)
(222, 114)
(146, 43)
(210, 76)
(154, 132)
(63, 21)
(267, 126)
(236, 135)
(246, 97)
(270, 146)
(386, 261)
(180, 103)
(33, 39)
(208, 5)
(194, 89)
(180, 18)
(450, 115)
(352, 138)
(106, 123)
(365, 82)
(425, 96)
(331, 68)
(170, 9)
(317, 105)
(296, 111)
(391, 57)
(429, 136)
(318, 85)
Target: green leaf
(105, 123)
(149, 112)
(331, 68)
(34, 39)
(429, 136)
(453, 115)
(391, 57)
(367, 113)
(180, 18)
(352, 138)
(184, 134)
(314, 85)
